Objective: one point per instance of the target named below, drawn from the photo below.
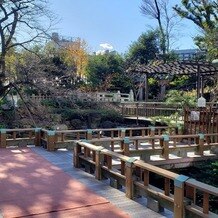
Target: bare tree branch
(21, 16)
(160, 11)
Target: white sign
(201, 102)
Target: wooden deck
(64, 159)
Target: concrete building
(61, 41)
(189, 54)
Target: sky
(113, 23)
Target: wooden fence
(201, 120)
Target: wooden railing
(149, 109)
(176, 194)
(20, 137)
(64, 138)
(192, 148)
(142, 141)
(120, 154)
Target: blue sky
(116, 22)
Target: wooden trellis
(200, 69)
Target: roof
(177, 68)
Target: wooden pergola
(200, 69)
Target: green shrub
(49, 103)
(70, 114)
(86, 104)
(181, 98)
(111, 115)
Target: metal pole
(202, 85)
(198, 81)
(146, 88)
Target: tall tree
(21, 22)
(166, 19)
(205, 15)
(36, 72)
(75, 54)
(144, 49)
(142, 52)
(101, 66)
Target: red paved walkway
(32, 186)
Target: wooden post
(200, 150)
(3, 138)
(78, 136)
(206, 203)
(89, 134)
(167, 186)
(122, 133)
(165, 151)
(152, 130)
(190, 192)
(109, 162)
(77, 151)
(152, 134)
(51, 140)
(62, 137)
(112, 134)
(37, 140)
(125, 145)
(130, 133)
(143, 132)
(179, 196)
(129, 178)
(99, 134)
(136, 144)
(98, 163)
(93, 155)
(112, 145)
(14, 135)
(30, 134)
(87, 152)
(146, 177)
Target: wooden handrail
(93, 154)
(20, 130)
(202, 186)
(156, 170)
(180, 183)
